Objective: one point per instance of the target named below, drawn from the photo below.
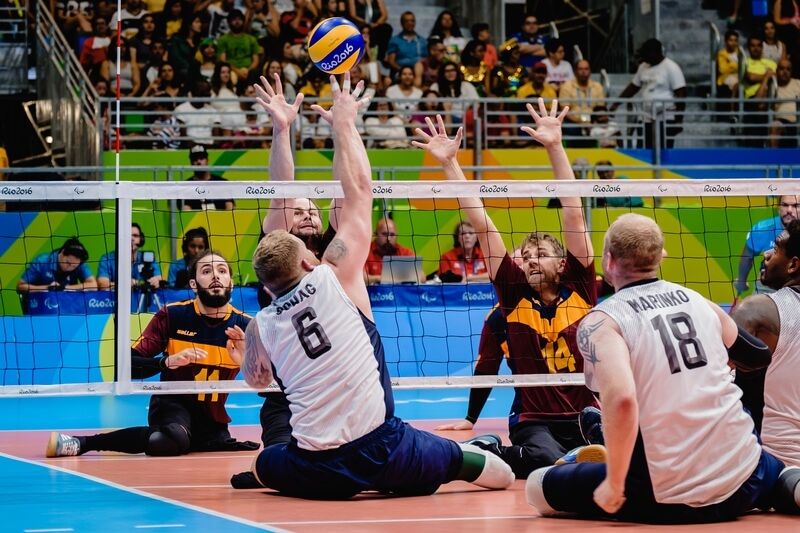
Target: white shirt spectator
(404, 109)
(227, 104)
(558, 74)
(468, 93)
(389, 134)
(314, 130)
(130, 24)
(658, 83)
(787, 111)
(199, 123)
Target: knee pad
(534, 492)
(787, 491)
(496, 474)
(169, 440)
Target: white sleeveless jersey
(780, 429)
(328, 359)
(698, 440)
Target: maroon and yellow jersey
(542, 338)
(180, 325)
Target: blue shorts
(570, 488)
(395, 458)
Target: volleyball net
(58, 339)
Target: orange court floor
(199, 482)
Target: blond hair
(537, 237)
(275, 259)
(636, 242)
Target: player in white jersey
(774, 392)
(680, 447)
(318, 340)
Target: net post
(123, 288)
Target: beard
(387, 248)
(313, 242)
(210, 299)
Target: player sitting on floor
(680, 447)
(318, 340)
(543, 301)
(184, 341)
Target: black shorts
(205, 433)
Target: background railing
(13, 48)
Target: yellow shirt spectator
(548, 92)
(581, 100)
(727, 68)
(758, 67)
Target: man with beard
(384, 245)
(185, 341)
(762, 238)
(772, 395)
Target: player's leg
(128, 440)
(533, 446)
(171, 424)
(275, 416)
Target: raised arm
(281, 164)
(607, 369)
(347, 252)
(445, 150)
(548, 133)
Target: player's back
(781, 426)
(329, 360)
(698, 440)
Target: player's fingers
(359, 88)
(542, 107)
(364, 102)
(459, 135)
(529, 131)
(419, 144)
(533, 112)
(554, 108)
(335, 86)
(346, 83)
(422, 133)
(267, 87)
(563, 113)
(298, 101)
(278, 84)
(440, 122)
(431, 127)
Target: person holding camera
(62, 269)
(145, 270)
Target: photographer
(62, 269)
(145, 270)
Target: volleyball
(335, 45)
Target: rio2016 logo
(337, 59)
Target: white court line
(265, 526)
(151, 487)
(403, 520)
(157, 526)
(49, 530)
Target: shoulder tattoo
(336, 250)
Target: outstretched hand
(236, 344)
(440, 146)
(548, 124)
(274, 103)
(346, 104)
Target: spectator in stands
(208, 60)
(403, 94)
(158, 52)
(182, 47)
(129, 76)
(758, 73)
(372, 13)
(605, 133)
(331, 8)
(509, 75)
(663, 89)
(451, 84)
(318, 86)
(238, 48)
(194, 243)
(429, 106)
(296, 24)
(783, 131)
(558, 70)
(142, 271)
(480, 32)
(582, 94)
(218, 15)
(371, 61)
(166, 85)
(728, 66)
(531, 42)
(94, 51)
(262, 20)
(408, 47)
(774, 48)
(465, 261)
(62, 269)
(198, 156)
(385, 128)
(761, 238)
(165, 131)
(357, 74)
(786, 15)
(74, 17)
(130, 15)
(144, 39)
(537, 87)
(272, 67)
(427, 69)
(199, 119)
(292, 71)
(447, 29)
(251, 125)
(473, 68)
(384, 245)
(226, 101)
(314, 133)
(171, 19)
(605, 171)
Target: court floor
(117, 493)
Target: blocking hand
(548, 124)
(346, 104)
(274, 103)
(437, 142)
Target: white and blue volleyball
(335, 45)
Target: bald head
(636, 244)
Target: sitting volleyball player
(185, 341)
(680, 447)
(319, 339)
